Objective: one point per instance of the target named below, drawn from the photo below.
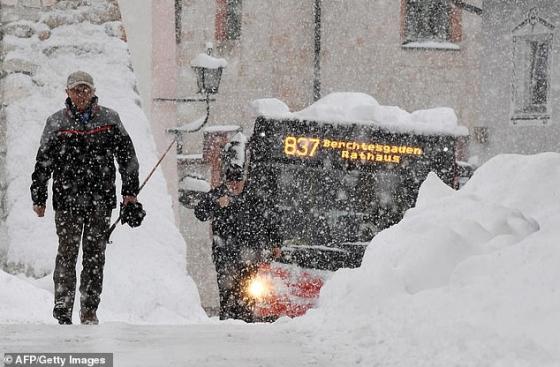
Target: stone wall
(14, 10)
(3, 236)
(16, 18)
(3, 182)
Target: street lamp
(208, 71)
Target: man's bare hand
(39, 210)
(223, 201)
(129, 199)
(276, 252)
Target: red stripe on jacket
(87, 132)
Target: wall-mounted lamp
(208, 71)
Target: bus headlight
(258, 288)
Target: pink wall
(164, 85)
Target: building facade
(402, 53)
(407, 53)
(520, 75)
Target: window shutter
(221, 21)
(456, 25)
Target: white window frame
(532, 31)
(412, 28)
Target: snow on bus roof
(349, 107)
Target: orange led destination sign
(302, 146)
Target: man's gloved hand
(132, 213)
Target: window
(427, 20)
(531, 70)
(228, 20)
(538, 75)
(233, 19)
(532, 49)
(178, 20)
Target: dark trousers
(88, 227)
(232, 278)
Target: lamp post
(208, 71)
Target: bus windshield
(335, 186)
(320, 207)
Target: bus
(334, 186)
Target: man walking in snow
(78, 148)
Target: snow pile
(270, 107)
(194, 184)
(350, 107)
(145, 274)
(23, 302)
(467, 278)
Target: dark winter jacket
(79, 151)
(245, 230)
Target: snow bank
(23, 302)
(145, 276)
(467, 278)
(348, 107)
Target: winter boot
(63, 315)
(88, 317)
(64, 321)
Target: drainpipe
(317, 50)
(178, 20)
(3, 153)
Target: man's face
(81, 96)
(235, 187)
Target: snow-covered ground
(211, 344)
(467, 278)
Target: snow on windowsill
(222, 128)
(530, 119)
(190, 157)
(194, 184)
(432, 45)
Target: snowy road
(224, 344)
